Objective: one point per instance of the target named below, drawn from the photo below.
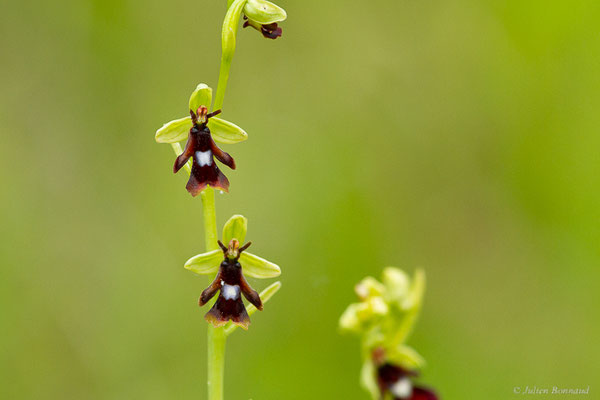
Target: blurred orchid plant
(201, 130)
(384, 318)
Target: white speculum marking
(204, 158)
(402, 388)
(231, 292)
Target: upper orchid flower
(263, 16)
(201, 128)
(231, 264)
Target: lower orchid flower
(230, 281)
(231, 264)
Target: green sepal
(222, 131)
(265, 296)
(235, 228)
(417, 290)
(174, 131)
(369, 287)
(202, 96)
(396, 284)
(349, 320)
(406, 357)
(411, 307)
(264, 12)
(256, 267)
(226, 132)
(205, 263)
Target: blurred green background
(457, 136)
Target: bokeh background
(459, 136)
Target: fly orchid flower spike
(231, 264)
(384, 318)
(263, 16)
(202, 129)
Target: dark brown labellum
(269, 31)
(398, 383)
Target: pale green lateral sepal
(411, 306)
(205, 263)
(369, 287)
(264, 12)
(417, 290)
(257, 267)
(226, 132)
(367, 379)
(397, 285)
(405, 356)
(174, 131)
(265, 295)
(202, 96)
(349, 320)
(235, 228)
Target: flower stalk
(198, 158)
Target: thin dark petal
(421, 393)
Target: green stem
(210, 219)
(228, 34)
(215, 336)
(223, 79)
(216, 362)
